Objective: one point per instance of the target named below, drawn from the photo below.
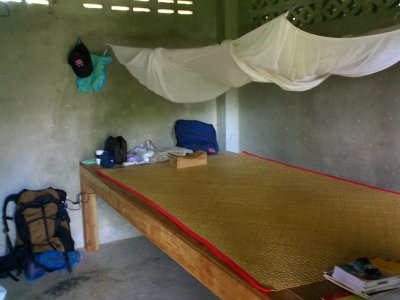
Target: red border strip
(323, 174)
(206, 243)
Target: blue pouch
(196, 135)
(106, 160)
(32, 272)
(55, 260)
(52, 260)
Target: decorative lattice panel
(311, 11)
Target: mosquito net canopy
(276, 52)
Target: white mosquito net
(276, 52)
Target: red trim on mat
(323, 174)
(206, 243)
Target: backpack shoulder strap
(62, 195)
(9, 198)
(6, 229)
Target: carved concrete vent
(312, 11)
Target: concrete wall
(47, 127)
(347, 127)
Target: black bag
(42, 224)
(8, 264)
(117, 148)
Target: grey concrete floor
(127, 269)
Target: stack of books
(367, 276)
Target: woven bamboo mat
(282, 225)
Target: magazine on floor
(368, 274)
(382, 293)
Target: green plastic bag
(97, 79)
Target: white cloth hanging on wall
(276, 52)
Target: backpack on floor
(196, 135)
(42, 226)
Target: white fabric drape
(276, 52)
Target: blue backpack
(196, 135)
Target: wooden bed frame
(185, 250)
